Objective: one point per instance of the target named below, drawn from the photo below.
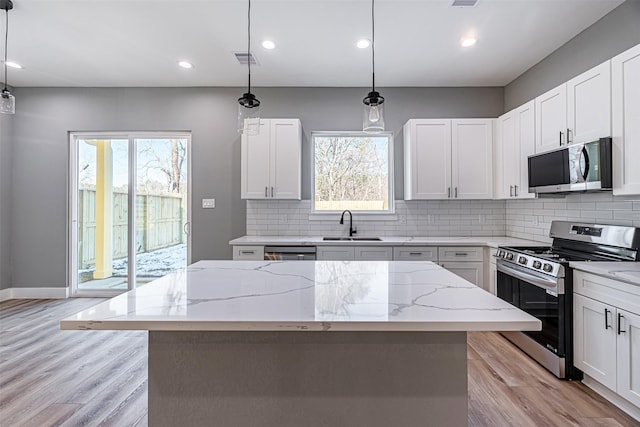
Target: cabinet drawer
(335, 253)
(416, 253)
(372, 253)
(609, 291)
(460, 253)
(248, 253)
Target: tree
(168, 165)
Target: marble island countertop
(491, 241)
(306, 296)
(628, 272)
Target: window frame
(388, 214)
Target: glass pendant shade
(373, 114)
(7, 103)
(248, 114)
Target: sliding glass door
(128, 204)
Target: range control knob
(547, 268)
(537, 264)
(509, 256)
(522, 260)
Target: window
(352, 170)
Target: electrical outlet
(283, 219)
(403, 219)
(208, 203)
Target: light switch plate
(208, 203)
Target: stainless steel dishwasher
(290, 253)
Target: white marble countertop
(625, 271)
(306, 296)
(490, 241)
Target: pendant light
(373, 117)
(248, 104)
(7, 101)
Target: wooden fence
(159, 224)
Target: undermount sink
(353, 239)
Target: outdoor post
(104, 220)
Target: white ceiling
(138, 42)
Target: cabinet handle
(461, 254)
(560, 138)
(516, 190)
(415, 253)
(568, 136)
(449, 192)
(606, 318)
(266, 192)
(247, 252)
(511, 191)
(620, 317)
(456, 192)
(271, 191)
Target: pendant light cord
(6, 38)
(249, 45)
(373, 45)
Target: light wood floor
(50, 377)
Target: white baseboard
(612, 397)
(34, 293)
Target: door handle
(560, 138)
(569, 136)
(606, 318)
(271, 191)
(620, 317)
(511, 191)
(456, 192)
(186, 228)
(266, 191)
(516, 190)
(448, 192)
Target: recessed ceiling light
(268, 44)
(14, 65)
(363, 43)
(185, 64)
(468, 41)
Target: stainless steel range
(538, 280)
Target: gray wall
(46, 115)
(614, 33)
(6, 127)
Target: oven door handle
(550, 284)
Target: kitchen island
(309, 343)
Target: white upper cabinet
(271, 161)
(448, 159)
(551, 119)
(589, 105)
(515, 141)
(427, 159)
(625, 79)
(576, 111)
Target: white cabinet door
(505, 153)
(427, 159)
(589, 105)
(628, 356)
(286, 161)
(472, 158)
(551, 119)
(471, 271)
(493, 279)
(625, 81)
(373, 253)
(335, 253)
(595, 339)
(524, 147)
(255, 153)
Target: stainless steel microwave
(578, 167)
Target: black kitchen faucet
(352, 230)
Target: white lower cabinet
(491, 270)
(248, 253)
(354, 253)
(607, 335)
(471, 271)
(464, 261)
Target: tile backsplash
(415, 218)
(527, 219)
(531, 219)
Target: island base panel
(307, 379)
